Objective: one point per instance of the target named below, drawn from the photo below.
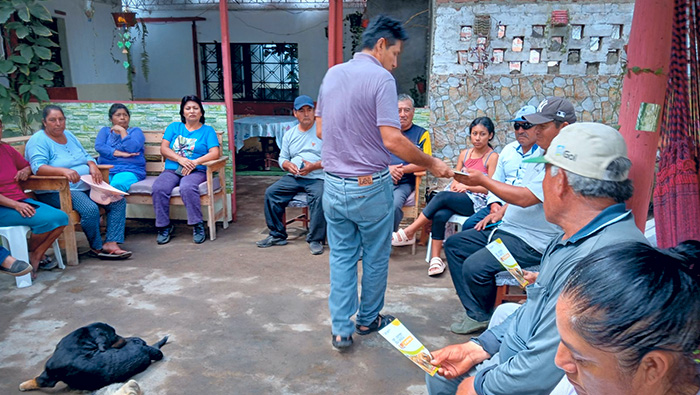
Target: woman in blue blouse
(185, 146)
(122, 147)
(54, 151)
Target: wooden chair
(298, 201)
(506, 284)
(214, 195)
(62, 186)
(411, 208)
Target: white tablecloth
(262, 126)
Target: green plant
(356, 29)
(125, 38)
(27, 66)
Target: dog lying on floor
(94, 356)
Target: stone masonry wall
(479, 66)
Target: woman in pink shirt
(16, 208)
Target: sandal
(380, 322)
(113, 255)
(343, 344)
(399, 239)
(437, 266)
(47, 263)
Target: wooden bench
(212, 192)
(60, 184)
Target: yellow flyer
(401, 338)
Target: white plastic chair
(14, 238)
(453, 225)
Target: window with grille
(260, 72)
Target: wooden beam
(649, 48)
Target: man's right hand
(291, 168)
(489, 219)
(440, 169)
(457, 359)
(396, 172)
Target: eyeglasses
(524, 125)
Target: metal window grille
(261, 72)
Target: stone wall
(455, 101)
(477, 69)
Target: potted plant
(124, 19)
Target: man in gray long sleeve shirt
(585, 186)
(300, 155)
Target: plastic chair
(453, 225)
(16, 237)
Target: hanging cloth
(677, 192)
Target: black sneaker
(199, 234)
(164, 234)
(270, 241)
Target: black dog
(94, 356)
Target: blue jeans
(476, 218)
(401, 194)
(278, 196)
(358, 218)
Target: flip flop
(399, 239)
(114, 255)
(47, 263)
(437, 266)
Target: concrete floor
(241, 320)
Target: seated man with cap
(300, 156)
(524, 229)
(510, 168)
(585, 187)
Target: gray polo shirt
(525, 344)
(356, 98)
(529, 223)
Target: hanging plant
(126, 26)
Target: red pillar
(335, 32)
(649, 48)
(228, 96)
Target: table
(262, 126)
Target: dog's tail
(161, 343)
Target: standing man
(357, 118)
(300, 155)
(401, 170)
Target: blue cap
(526, 110)
(302, 101)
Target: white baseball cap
(102, 193)
(586, 149)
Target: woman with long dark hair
(186, 146)
(460, 199)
